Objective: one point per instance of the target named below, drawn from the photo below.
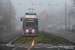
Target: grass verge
(60, 38)
(40, 39)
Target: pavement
(36, 47)
(6, 37)
(10, 48)
(40, 45)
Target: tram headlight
(26, 30)
(33, 31)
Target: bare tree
(7, 11)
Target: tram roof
(30, 13)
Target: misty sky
(22, 6)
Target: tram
(30, 24)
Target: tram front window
(30, 24)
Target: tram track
(19, 44)
(58, 40)
(53, 43)
(32, 44)
(65, 43)
(49, 37)
(52, 40)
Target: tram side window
(36, 22)
(23, 24)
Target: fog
(22, 6)
(59, 17)
(55, 11)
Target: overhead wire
(43, 4)
(49, 4)
(31, 2)
(40, 4)
(36, 4)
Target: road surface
(7, 37)
(20, 48)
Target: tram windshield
(30, 24)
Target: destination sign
(30, 19)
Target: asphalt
(38, 46)
(20, 48)
(6, 37)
